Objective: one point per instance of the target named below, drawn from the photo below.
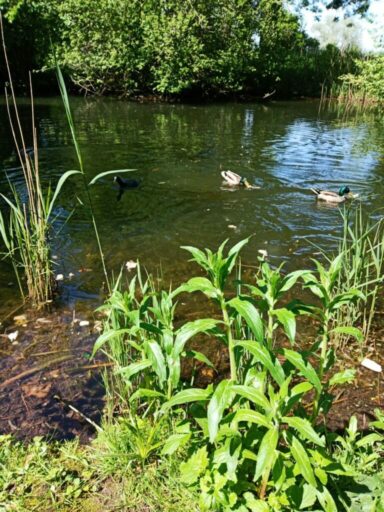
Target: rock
(59, 277)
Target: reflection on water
(178, 151)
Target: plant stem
(323, 355)
(231, 345)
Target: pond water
(285, 148)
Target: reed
(362, 249)
(26, 226)
(87, 184)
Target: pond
(285, 148)
(178, 152)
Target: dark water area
(178, 151)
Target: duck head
(344, 191)
(245, 183)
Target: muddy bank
(46, 369)
(50, 387)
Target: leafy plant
(253, 438)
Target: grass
(67, 477)
(362, 247)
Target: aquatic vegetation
(87, 184)
(255, 437)
(26, 227)
(361, 268)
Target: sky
(365, 33)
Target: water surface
(285, 148)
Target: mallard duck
(333, 197)
(235, 180)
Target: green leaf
(132, 369)
(291, 279)
(221, 399)
(155, 355)
(370, 439)
(251, 416)
(326, 500)
(186, 396)
(301, 388)
(106, 173)
(346, 376)
(302, 460)
(263, 356)
(255, 505)
(305, 367)
(195, 466)
(266, 453)
(174, 442)
(107, 336)
(199, 356)
(146, 393)
(254, 395)
(197, 255)
(199, 284)
(237, 248)
(304, 428)
(59, 186)
(190, 329)
(288, 321)
(350, 331)
(346, 298)
(247, 454)
(309, 497)
(250, 315)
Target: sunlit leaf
(304, 428)
(250, 315)
(253, 395)
(251, 416)
(266, 453)
(59, 186)
(220, 400)
(187, 396)
(302, 459)
(106, 173)
(288, 321)
(263, 356)
(190, 329)
(305, 367)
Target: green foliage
(170, 47)
(367, 83)
(67, 477)
(47, 476)
(253, 439)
